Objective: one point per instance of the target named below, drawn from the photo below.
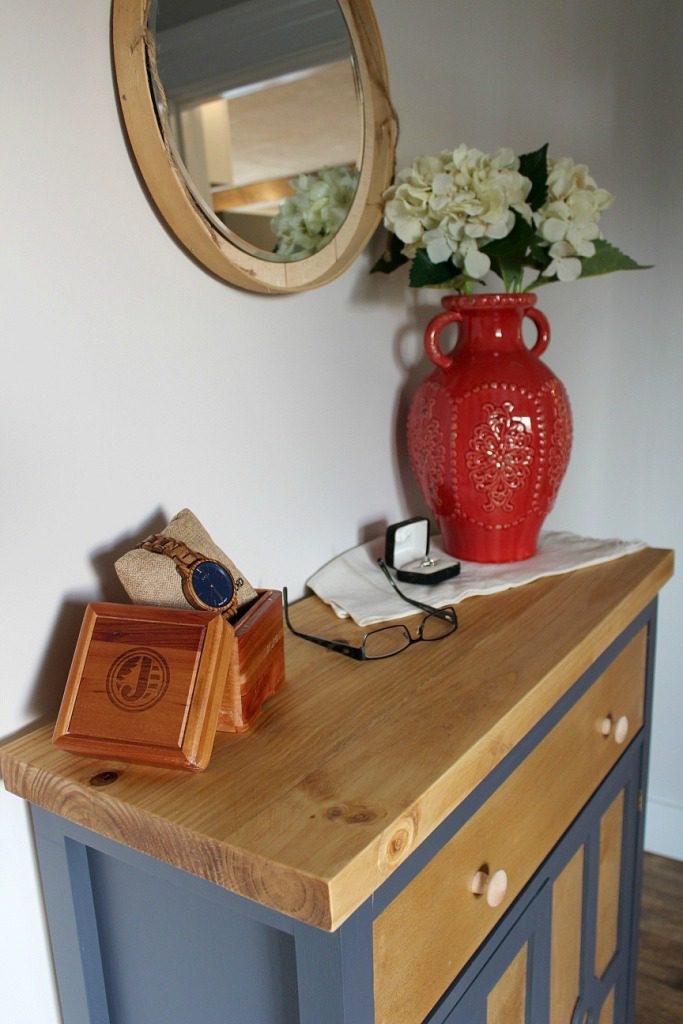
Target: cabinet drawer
(427, 934)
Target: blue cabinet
(517, 906)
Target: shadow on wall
(371, 530)
(414, 370)
(393, 293)
(48, 687)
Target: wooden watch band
(161, 544)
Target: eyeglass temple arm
(441, 613)
(331, 645)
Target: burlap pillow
(153, 579)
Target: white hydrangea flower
(454, 202)
(308, 219)
(568, 220)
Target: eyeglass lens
(382, 643)
(434, 627)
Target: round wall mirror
(263, 130)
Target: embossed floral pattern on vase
(427, 448)
(500, 456)
(561, 442)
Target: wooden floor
(659, 994)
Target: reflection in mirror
(261, 107)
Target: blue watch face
(213, 584)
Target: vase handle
(543, 328)
(434, 329)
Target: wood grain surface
(146, 685)
(352, 764)
(607, 1012)
(506, 1002)
(257, 665)
(565, 956)
(167, 184)
(607, 923)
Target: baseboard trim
(664, 828)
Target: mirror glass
(261, 109)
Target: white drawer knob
(492, 886)
(618, 729)
(621, 729)
(606, 726)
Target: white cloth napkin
(354, 585)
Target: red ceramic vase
(490, 431)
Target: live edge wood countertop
(352, 764)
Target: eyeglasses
(386, 641)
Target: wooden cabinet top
(352, 764)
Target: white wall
(134, 384)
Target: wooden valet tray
(257, 666)
(146, 685)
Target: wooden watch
(207, 584)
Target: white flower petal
(477, 264)
(560, 249)
(553, 230)
(399, 219)
(437, 247)
(584, 249)
(569, 218)
(501, 228)
(568, 269)
(442, 184)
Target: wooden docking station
(152, 685)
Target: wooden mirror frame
(170, 192)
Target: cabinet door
(594, 912)
(512, 985)
(435, 923)
(568, 956)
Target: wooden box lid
(146, 685)
(257, 666)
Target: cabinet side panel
(566, 940)
(68, 896)
(169, 958)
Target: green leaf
(391, 258)
(515, 243)
(607, 259)
(424, 273)
(508, 255)
(534, 166)
(538, 255)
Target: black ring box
(406, 551)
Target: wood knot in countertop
(396, 843)
(352, 813)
